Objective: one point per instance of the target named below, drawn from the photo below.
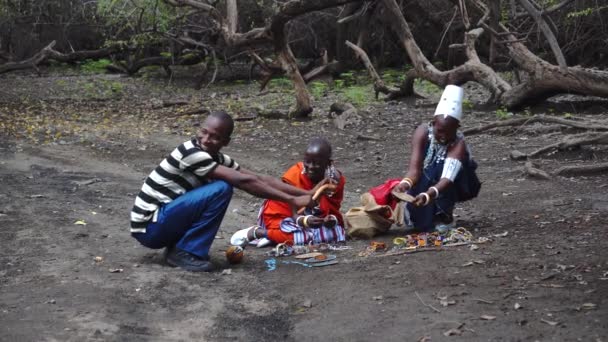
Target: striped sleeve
(194, 160)
(228, 162)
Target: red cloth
(382, 193)
(273, 211)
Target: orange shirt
(273, 212)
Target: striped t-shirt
(186, 168)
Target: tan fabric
(371, 219)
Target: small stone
(453, 332)
(588, 306)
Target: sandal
(263, 242)
(241, 237)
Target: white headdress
(451, 102)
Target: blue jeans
(464, 188)
(191, 221)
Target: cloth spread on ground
(275, 216)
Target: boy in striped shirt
(183, 201)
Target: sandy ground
(543, 276)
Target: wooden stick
(425, 304)
(430, 249)
(317, 194)
(483, 300)
(410, 251)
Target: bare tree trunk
(289, 64)
(232, 16)
(344, 24)
(494, 21)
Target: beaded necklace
(437, 152)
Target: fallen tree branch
(535, 172)
(379, 86)
(195, 111)
(362, 9)
(569, 142)
(48, 53)
(566, 171)
(572, 170)
(544, 79)
(425, 304)
(29, 63)
(598, 126)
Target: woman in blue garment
(441, 170)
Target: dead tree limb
(379, 85)
(273, 34)
(322, 69)
(49, 53)
(573, 170)
(472, 70)
(30, 63)
(445, 31)
(574, 141)
(544, 79)
(546, 30)
(535, 172)
(566, 171)
(535, 119)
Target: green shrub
(318, 89)
(503, 114)
(280, 83)
(467, 104)
(358, 95)
(348, 77)
(427, 87)
(90, 66)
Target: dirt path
(546, 280)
